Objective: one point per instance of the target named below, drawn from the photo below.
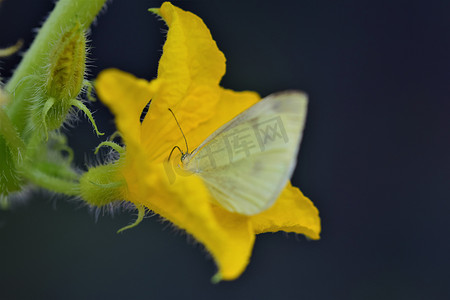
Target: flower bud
(67, 65)
(64, 81)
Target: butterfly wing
(249, 160)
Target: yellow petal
(160, 128)
(187, 204)
(189, 73)
(126, 96)
(190, 55)
(228, 105)
(292, 212)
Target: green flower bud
(65, 75)
(67, 65)
(64, 81)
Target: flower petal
(187, 204)
(228, 105)
(292, 212)
(189, 73)
(159, 129)
(190, 53)
(126, 96)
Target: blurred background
(375, 158)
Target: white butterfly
(247, 162)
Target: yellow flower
(189, 73)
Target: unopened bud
(65, 79)
(67, 65)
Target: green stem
(11, 136)
(65, 15)
(58, 185)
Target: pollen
(67, 64)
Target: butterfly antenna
(176, 147)
(187, 148)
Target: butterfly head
(184, 156)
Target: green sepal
(140, 217)
(216, 278)
(113, 145)
(83, 107)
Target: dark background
(374, 159)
